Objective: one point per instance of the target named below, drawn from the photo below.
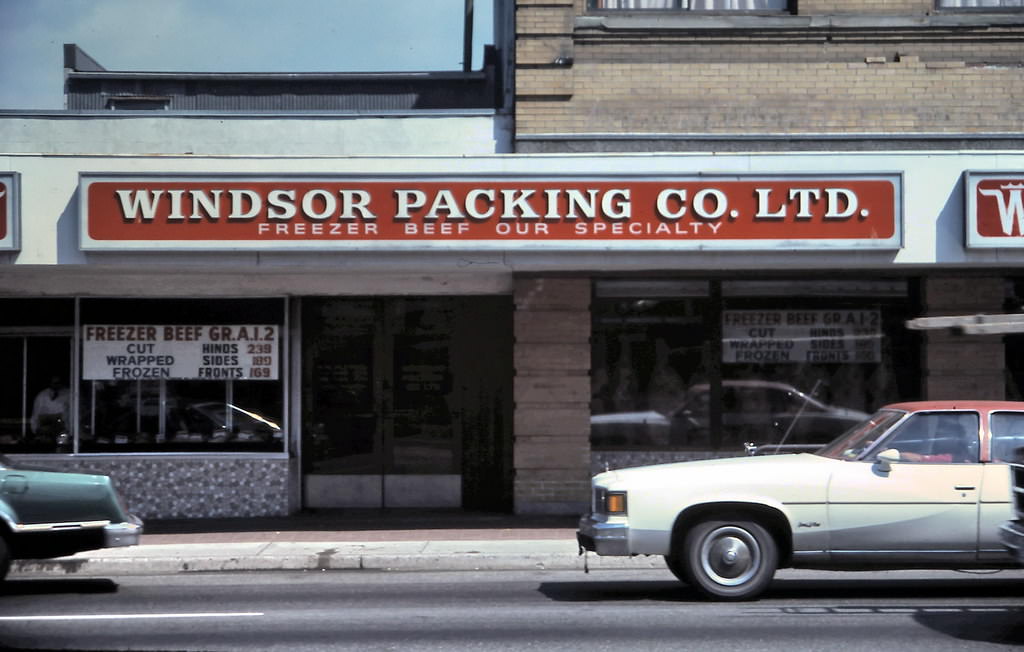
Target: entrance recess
(406, 402)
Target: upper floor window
(979, 4)
(139, 103)
(696, 5)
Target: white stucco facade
(48, 154)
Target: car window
(1007, 435)
(948, 437)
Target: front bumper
(606, 539)
(129, 533)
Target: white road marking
(229, 614)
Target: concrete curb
(387, 556)
(439, 556)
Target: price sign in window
(192, 352)
(181, 387)
(802, 336)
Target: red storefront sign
(995, 209)
(239, 212)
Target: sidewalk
(385, 540)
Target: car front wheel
(732, 559)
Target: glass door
(342, 399)
(378, 408)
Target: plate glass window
(141, 394)
(784, 366)
(35, 377)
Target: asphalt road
(509, 610)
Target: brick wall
(960, 366)
(913, 75)
(770, 98)
(552, 395)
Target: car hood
(741, 474)
(33, 497)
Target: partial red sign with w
(999, 206)
(5, 200)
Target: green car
(46, 514)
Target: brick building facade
(596, 77)
(826, 72)
(642, 233)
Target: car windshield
(855, 441)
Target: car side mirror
(887, 458)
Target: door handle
(963, 488)
(14, 484)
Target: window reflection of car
(914, 486)
(628, 427)
(759, 416)
(46, 514)
(214, 421)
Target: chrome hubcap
(730, 556)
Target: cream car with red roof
(915, 485)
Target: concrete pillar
(552, 395)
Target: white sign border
(973, 239)
(893, 243)
(12, 241)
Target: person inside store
(50, 412)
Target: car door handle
(14, 484)
(963, 488)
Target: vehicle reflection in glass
(214, 421)
(759, 416)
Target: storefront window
(649, 349)
(720, 365)
(181, 376)
(35, 401)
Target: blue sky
(228, 36)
